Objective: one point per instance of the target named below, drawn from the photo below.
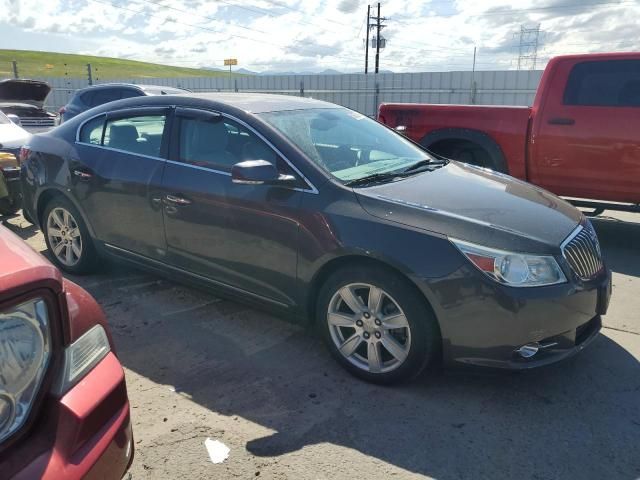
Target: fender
(478, 137)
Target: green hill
(33, 64)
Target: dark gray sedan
(400, 259)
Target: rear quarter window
(91, 132)
(613, 83)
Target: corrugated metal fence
(357, 91)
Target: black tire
(425, 340)
(88, 259)
(8, 207)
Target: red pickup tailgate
(506, 125)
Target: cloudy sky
(296, 35)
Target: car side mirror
(14, 119)
(258, 172)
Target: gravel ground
(201, 367)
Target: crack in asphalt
(621, 330)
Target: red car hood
(22, 269)
(32, 92)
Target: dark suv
(95, 95)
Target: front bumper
(483, 323)
(92, 437)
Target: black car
(95, 95)
(401, 259)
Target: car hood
(32, 92)
(476, 205)
(12, 136)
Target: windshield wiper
(427, 162)
(373, 178)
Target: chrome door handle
(176, 200)
(82, 175)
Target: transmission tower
(528, 49)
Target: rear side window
(92, 131)
(104, 95)
(136, 134)
(129, 93)
(613, 83)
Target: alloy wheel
(64, 236)
(369, 328)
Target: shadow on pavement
(620, 242)
(576, 419)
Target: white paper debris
(218, 451)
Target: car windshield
(345, 143)
(4, 119)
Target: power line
(525, 10)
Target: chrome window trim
(111, 149)
(81, 126)
(198, 167)
(311, 187)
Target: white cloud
(291, 34)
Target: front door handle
(561, 121)
(177, 200)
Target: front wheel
(67, 237)
(377, 325)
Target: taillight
(23, 154)
(25, 351)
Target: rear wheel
(67, 237)
(377, 325)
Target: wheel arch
(351, 261)
(477, 137)
(49, 194)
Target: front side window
(345, 143)
(220, 143)
(613, 83)
(141, 134)
(92, 131)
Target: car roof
(128, 85)
(261, 102)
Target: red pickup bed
(580, 139)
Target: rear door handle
(82, 174)
(177, 200)
(561, 121)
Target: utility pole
(15, 69)
(89, 74)
(378, 41)
(473, 78)
(528, 48)
(366, 51)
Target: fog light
(528, 350)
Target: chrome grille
(37, 121)
(582, 250)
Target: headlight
(511, 268)
(25, 349)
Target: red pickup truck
(580, 139)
